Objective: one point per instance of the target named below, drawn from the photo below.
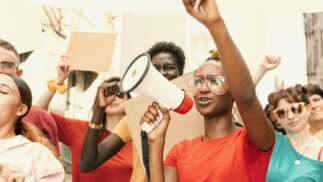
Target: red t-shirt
(230, 158)
(43, 121)
(71, 132)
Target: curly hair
(169, 47)
(7, 45)
(298, 93)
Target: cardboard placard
(91, 51)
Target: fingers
(188, 5)
(150, 116)
(12, 173)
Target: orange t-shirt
(72, 132)
(230, 158)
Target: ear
(19, 73)
(22, 110)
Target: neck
(315, 127)
(112, 121)
(7, 131)
(300, 138)
(219, 126)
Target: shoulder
(123, 130)
(187, 143)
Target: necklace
(298, 160)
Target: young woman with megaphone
(224, 152)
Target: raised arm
(241, 85)
(63, 71)
(93, 153)
(269, 62)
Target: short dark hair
(7, 45)
(169, 47)
(313, 89)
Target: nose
(290, 115)
(204, 87)
(163, 72)
(313, 105)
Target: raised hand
(270, 62)
(205, 11)
(107, 92)
(11, 173)
(63, 69)
(150, 117)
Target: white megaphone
(142, 77)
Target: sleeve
(123, 130)
(69, 129)
(47, 167)
(171, 158)
(253, 150)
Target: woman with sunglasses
(224, 152)
(297, 156)
(107, 112)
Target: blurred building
(314, 47)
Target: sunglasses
(295, 109)
(216, 83)
(119, 94)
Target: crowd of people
(242, 141)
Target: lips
(114, 104)
(292, 124)
(203, 101)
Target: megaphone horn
(142, 77)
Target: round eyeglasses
(216, 83)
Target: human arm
(269, 62)
(156, 144)
(240, 82)
(63, 71)
(94, 154)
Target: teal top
(282, 166)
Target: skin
(166, 64)
(6, 55)
(299, 136)
(316, 113)
(11, 108)
(260, 131)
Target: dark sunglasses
(119, 94)
(296, 109)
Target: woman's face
(10, 103)
(116, 107)
(166, 64)
(316, 111)
(293, 117)
(207, 99)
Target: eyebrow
(207, 75)
(6, 86)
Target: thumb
(165, 112)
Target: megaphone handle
(147, 127)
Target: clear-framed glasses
(295, 109)
(216, 83)
(8, 65)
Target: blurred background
(40, 30)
